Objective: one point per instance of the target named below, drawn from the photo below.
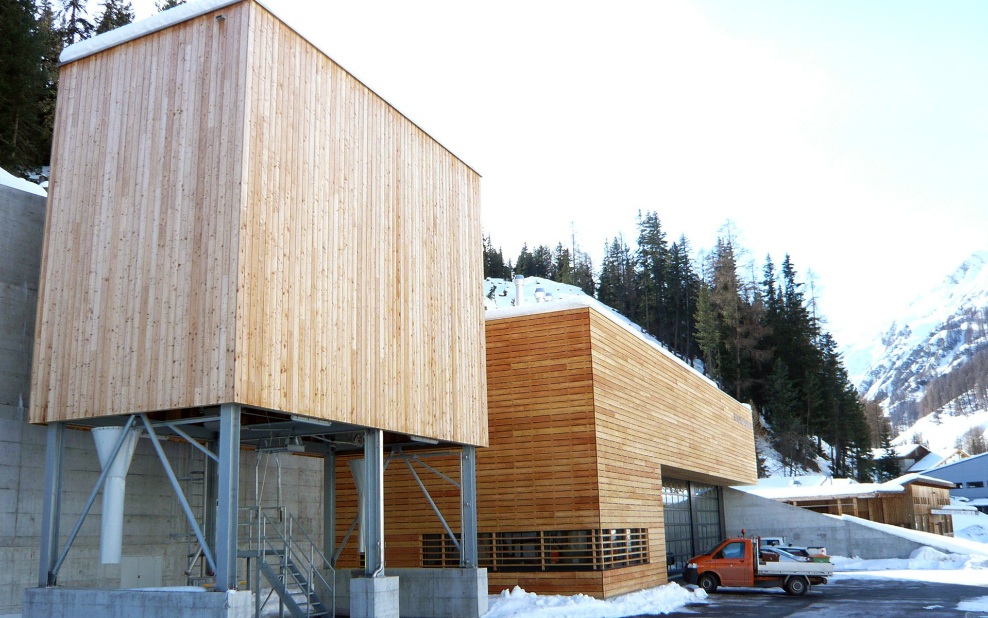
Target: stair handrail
(294, 551)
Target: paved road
(846, 598)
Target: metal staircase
(281, 551)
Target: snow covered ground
(968, 568)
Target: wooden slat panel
(234, 218)
(352, 214)
(139, 279)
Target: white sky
(850, 135)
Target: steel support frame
(51, 510)
(329, 507)
(177, 488)
(468, 507)
(228, 469)
(374, 502)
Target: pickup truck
(735, 563)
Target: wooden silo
(234, 218)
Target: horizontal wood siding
(652, 412)
(138, 286)
(360, 254)
(540, 472)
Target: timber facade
(233, 218)
(595, 433)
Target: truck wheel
(797, 586)
(707, 582)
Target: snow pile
(924, 558)
(978, 604)
(9, 180)
(978, 534)
(518, 603)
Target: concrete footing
(163, 603)
(422, 593)
(373, 597)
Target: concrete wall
(62, 603)
(425, 593)
(763, 517)
(157, 538)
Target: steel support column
(227, 498)
(329, 506)
(468, 507)
(51, 507)
(374, 502)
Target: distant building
(910, 501)
(969, 478)
(918, 458)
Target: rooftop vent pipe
(519, 289)
(111, 521)
(539, 295)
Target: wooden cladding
(233, 217)
(584, 418)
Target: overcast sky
(852, 135)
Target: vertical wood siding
(234, 218)
(360, 254)
(138, 286)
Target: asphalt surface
(850, 598)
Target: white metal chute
(114, 488)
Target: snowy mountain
(936, 336)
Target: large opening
(694, 521)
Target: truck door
(734, 565)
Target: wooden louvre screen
(545, 550)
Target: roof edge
(140, 28)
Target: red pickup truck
(738, 562)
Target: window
(734, 551)
(545, 550)
(976, 484)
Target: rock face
(940, 333)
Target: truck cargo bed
(788, 567)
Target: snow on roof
(960, 461)
(143, 27)
(191, 10)
(579, 301)
(9, 180)
(804, 480)
(930, 461)
(845, 490)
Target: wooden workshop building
(601, 445)
(911, 501)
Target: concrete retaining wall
(156, 538)
(764, 517)
(63, 603)
(427, 593)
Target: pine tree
(164, 5)
(494, 265)
(888, 465)
(75, 23)
(22, 80)
(652, 265)
(116, 13)
(562, 265)
(524, 265)
(541, 262)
